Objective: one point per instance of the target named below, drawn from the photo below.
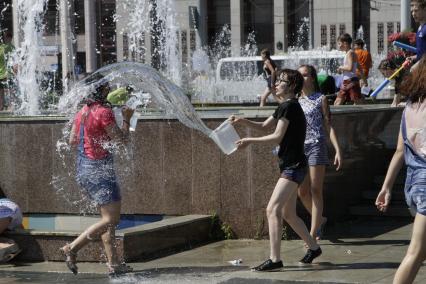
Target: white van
(239, 79)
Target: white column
(237, 22)
(405, 15)
(66, 38)
(280, 25)
(15, 23)
(90, 35)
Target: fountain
(170, 168)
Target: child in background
(364, 62)
(350, 89)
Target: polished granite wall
(171, 169)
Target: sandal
(70, 259)
(9, 253)
(118, 269)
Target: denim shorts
(295, 175)
(317, 153)
(97, 180)
(415, 191)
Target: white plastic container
(133, 121)
(118, 116)
(225, 137)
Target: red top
(95, 135)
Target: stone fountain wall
(175, 170)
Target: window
(398, 27)
(342, 29)
(389, 32)
(380, 37)
(333, 44)
(323, 35)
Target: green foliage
(220, 230)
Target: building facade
(100, 28)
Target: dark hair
(414, 85)
(345, 38)
(359, 42)
(294, 79)
(313, 73)
(421, 3)
(387, 64)
(266, 52)
(100, 84)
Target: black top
(292, 154)
(266, 69)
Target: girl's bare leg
(416, 253)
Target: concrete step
(397, 195)
(137, 243)
(371, 210)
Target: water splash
(28, 56)
(158, 19)
(165, 95)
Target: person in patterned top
(317, 113)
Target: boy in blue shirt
(418, 11)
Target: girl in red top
(93, 130)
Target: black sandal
(119, 269)
(70, 259)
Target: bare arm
(384, 196)
(331, 133)
(275, 137)
(268, 123)
(73, 141)
(121, 134)
(273, 71)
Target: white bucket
(225, 137)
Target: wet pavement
(354, 252)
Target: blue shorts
(415, 191)
(317, 153)
(97, 180)
(295, 175)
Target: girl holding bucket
(290, 131)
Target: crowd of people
(301, 122)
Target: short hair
(421, 3)
(345, 38)
(266, 52)
(294, 79)
(359, 42)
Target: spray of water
(28, 55)
(163, 26)
(165, 94)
